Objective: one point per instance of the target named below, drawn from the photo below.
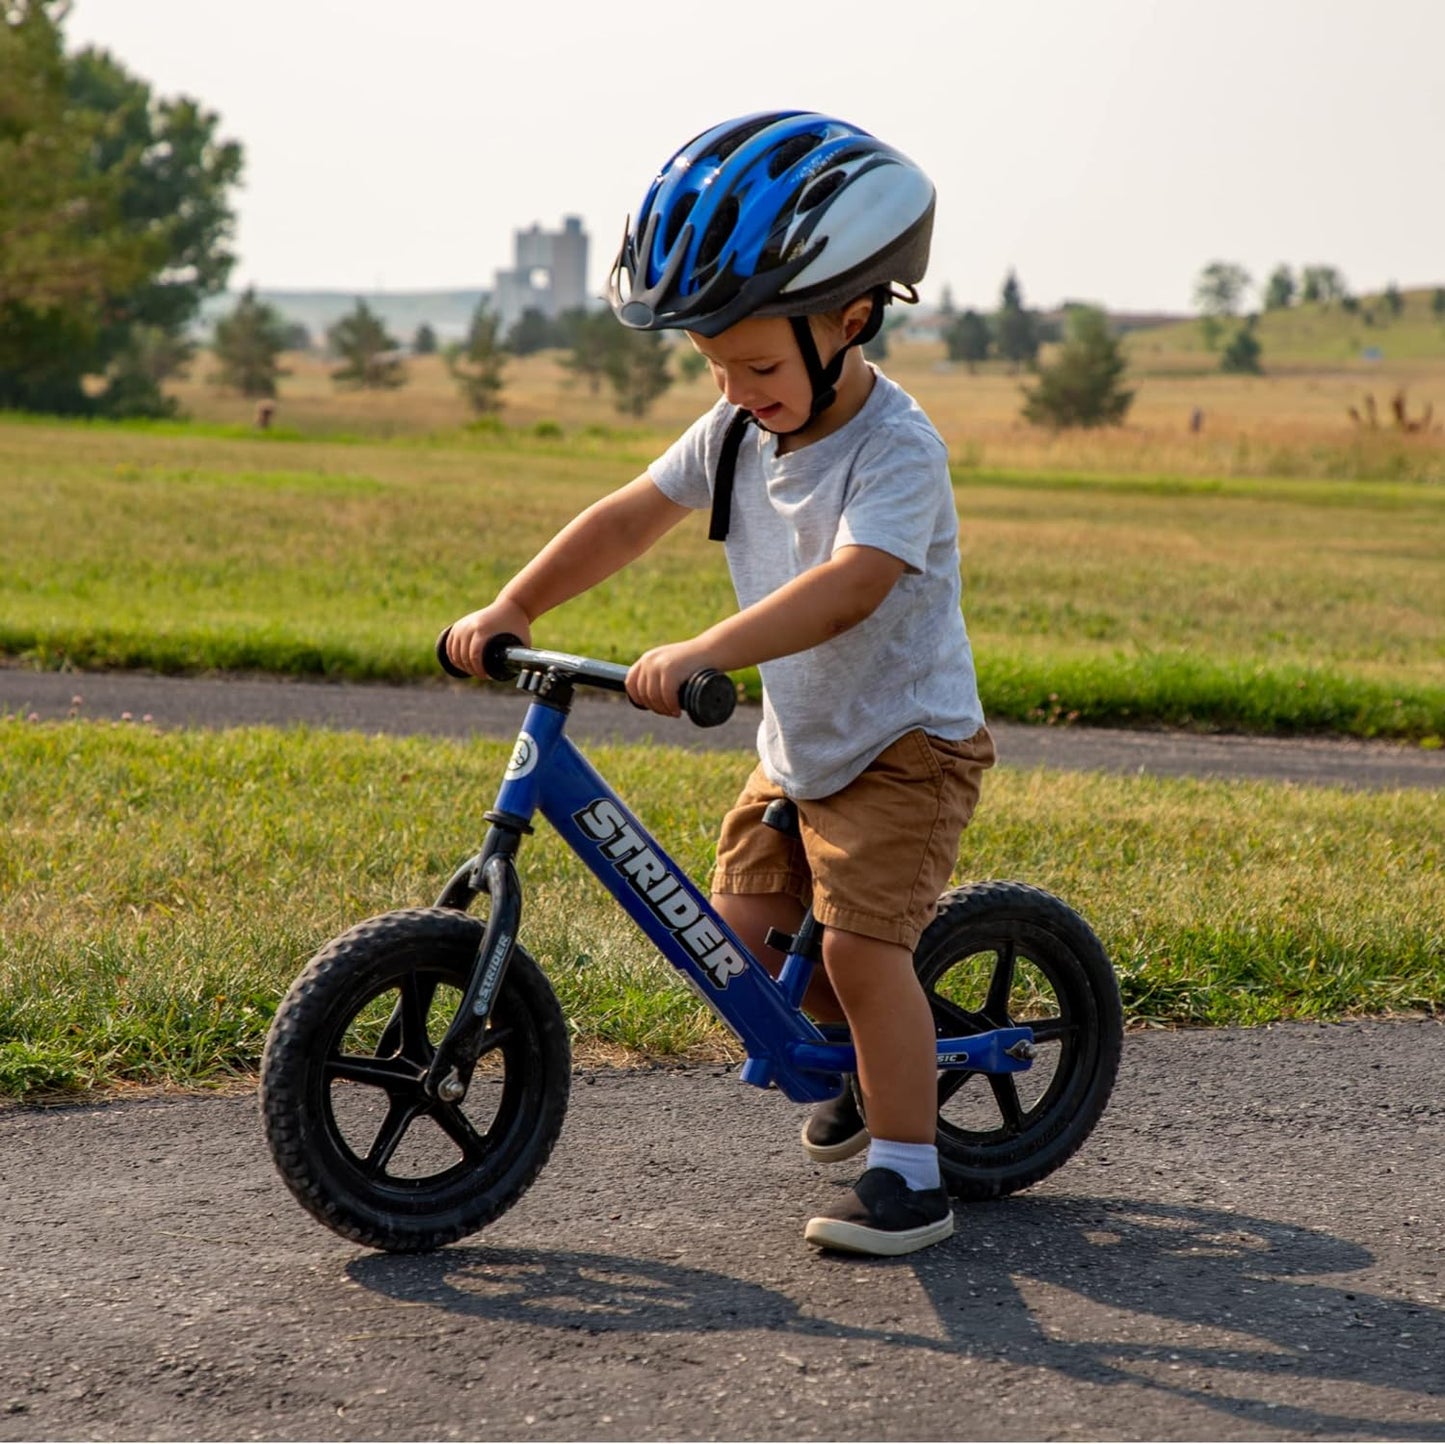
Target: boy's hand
(470, 634)
(655, 679)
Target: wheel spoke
(1006, 1095)
(953, 1021)
(413, 1005)
(1001, 987)
(390, 1041)
(494, 1038)
(1048, 1030)
(392, 1074)
(458, 1127)
(398, 1119)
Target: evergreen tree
(968, 339)
(1241, 356)
(591, 337)
(1322, 284)
(424, 342)
(477, 367)
(371, 357)
(1437, 303)
(1082, 386)
(1393, 301)
(1016, 333)
(248, 344)
(637, 368)
(533, 332)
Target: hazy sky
(1107, 149)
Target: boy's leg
(750, 915)
(833, 1130)
(899, 1204)
(893, 1031)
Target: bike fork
(456, 1055)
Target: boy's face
(758, 367)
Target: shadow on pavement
(1216, 1308)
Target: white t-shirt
(879, 481)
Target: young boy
(775, 241)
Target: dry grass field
(1294, 423)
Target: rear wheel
(1000, 955)
(354, 1134)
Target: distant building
(549, 275)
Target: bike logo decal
(524, 757)
(661, 889)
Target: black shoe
(882, 1215)
(835, 1130)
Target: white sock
(917, 1163)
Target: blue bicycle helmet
(783, 213)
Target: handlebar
(707, 697)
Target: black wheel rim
(378, 1120)
(1003, 977)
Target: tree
(1082, 386)
(1016, 333)
(150, 356)
(968, 339)
(1220, 288)
(533, 331)
(637, 368)
(592, 336)
(1241, 356)
(371, 356)
(115, 215)
(248, 344)
(424, 343)
(477, 367)
(1437, 303)
(1393, 301)
(1279, 289)
(1323, 284)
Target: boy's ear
(855, 316)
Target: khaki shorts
(874, 857)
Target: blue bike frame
(784, 1048)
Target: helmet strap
(824, 380)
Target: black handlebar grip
(708, 697)
(494, 656)
(443, 660)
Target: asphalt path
(1249, 1247)
(476, 709)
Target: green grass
(1259, 605)
(1314, 334)
(158, 892)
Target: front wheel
(1002, 955)
(355, 1136)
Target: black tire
(1003, 954)
(355, 1137)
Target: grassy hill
(1309, 336)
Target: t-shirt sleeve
(684, 472)
(898, 488)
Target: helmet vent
(719, 229)
(675, 222)
(820, 190)
(789, 153)
(739, 135)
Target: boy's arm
(589, 549)
(815, 607)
